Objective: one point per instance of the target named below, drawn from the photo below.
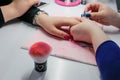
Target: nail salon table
(16, 64)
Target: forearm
(108, 52)
(30, 14)
(98, 37)
(9, 12)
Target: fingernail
(67, 37)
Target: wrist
(98, 37)
(42, 19)
(9, 12)
(39, 17)
(116, 20)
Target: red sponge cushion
(40, 49)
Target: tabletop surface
(16, 64)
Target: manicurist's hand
(88, 31)
(103, 14)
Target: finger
(93, 7)
(69, 21)
(59, 33)
(78, 18)
(88, 7)
(95, 15)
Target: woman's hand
(103, 14)
(81, 31)
(88, 31)
(53, 25)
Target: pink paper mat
(63, 48)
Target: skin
(52, 25)
(103, 14)
(99, 12)
(92, 30)
(17, 8)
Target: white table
(16, 64)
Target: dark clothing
(5, 2)
(1, 19)
(108, 60)
(27, 17)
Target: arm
(53, 25)
(107, 55)
(90, 31)
(30, 14)
(15, 9)
(50, 24)
(7, 13)
(3, 2)
(107, 51)
(108, 60)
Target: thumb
(95, 15)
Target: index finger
(92, 7)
